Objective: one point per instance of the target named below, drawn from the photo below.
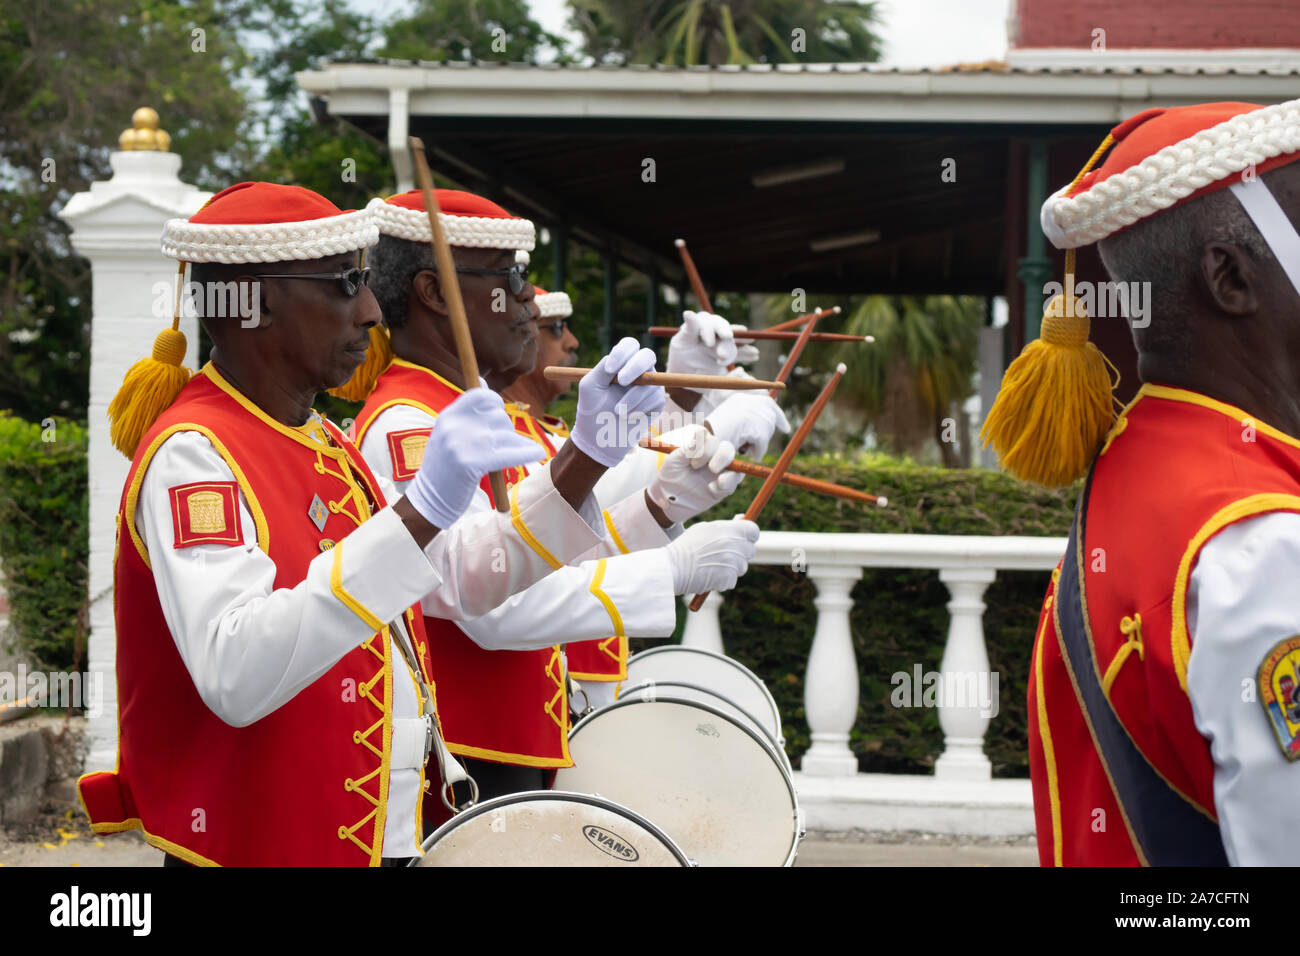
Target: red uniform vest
(1177, 469)
(604, 659)
(505, 706)
(308, 783)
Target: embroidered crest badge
(1279, 692)
(205, 512)
(407, 449)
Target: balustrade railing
(967, 565)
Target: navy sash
(1169, 831)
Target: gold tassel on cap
(151, 384)
(1055, 405)
(1056, 402)
(379, 355)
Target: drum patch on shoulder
(610, 842)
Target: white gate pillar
(117, 226)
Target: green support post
(1035, 268)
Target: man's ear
(426, 287)
(1230, 278)
(256, 302)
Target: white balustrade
(967, 565)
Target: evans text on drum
(549, 828)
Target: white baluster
(831, 683)
(966, 678)
(702, 627)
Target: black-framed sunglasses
(350, 282)
(556, 328)
(518, 274)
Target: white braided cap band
(470, 232)
(1169, 176)
(555, 305)
(269, 242)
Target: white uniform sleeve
(249, 646)
(1240, 604)
(626, 594)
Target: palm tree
(918, 372)
(691, 32)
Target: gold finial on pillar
(144, 133)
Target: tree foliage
(71, 74)
(713, 32)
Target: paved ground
(61, 838)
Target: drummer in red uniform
(507, 713)
(1160, 730)
(272, 672)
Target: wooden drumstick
(783, 463)
(781, 335)
(794, 481)
(450, 285)
(565, 373)
(697, 284)
(795, 349)
(792, 324)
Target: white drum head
(714, 785)
(549, 828)
(720, 674)
(651, 690)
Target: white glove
(746, 351)
(747, 420)
(702, 346)
(694, 478)
(612, 416)
(472, 436)
(710, 556)
(713, 397)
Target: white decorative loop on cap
(555, 305)
(1172, 174)
(470, 232)
(269, 242)
(522, 258)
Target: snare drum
(720, 674)
(549, 828)
(715, 785)
(651, 689)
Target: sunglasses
(518, 274)
(350, 282)
(556, 328)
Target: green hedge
(43, 540)
(900, 616)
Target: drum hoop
(763, 742)
(707, 690)
(787, 773)
(730, 661)
(569, 796)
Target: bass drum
(715, 785)
(722, 675)
(549, 828)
